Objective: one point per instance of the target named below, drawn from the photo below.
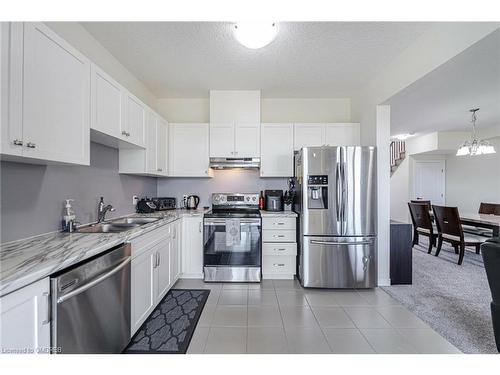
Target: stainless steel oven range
(232, 238)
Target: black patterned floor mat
(169, 328)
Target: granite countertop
(286, 213)
(25, 261)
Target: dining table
(482, 221)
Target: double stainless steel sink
(117, 225)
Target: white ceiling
(441, 100)
(307, 59)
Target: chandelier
(474, 146)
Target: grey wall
(224, 181)
(32, 196)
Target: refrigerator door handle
(333, 243)
(338, 197)
(344, 199)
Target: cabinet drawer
(144, 242)
(278, 248)
(272, 223)
(278, 235)
(278, 264)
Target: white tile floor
(279, 316)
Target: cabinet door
(222, 140)
(247, 140)
(163, 268)
(188, 150)
(56, 98)
(276, 150)
(161, 146)
(106, 102)
(307, 135)
(151, 143)
(25, 319)
(192, 247)
(11, 75)
(143, 288)
(342, 134)
(135, 118)
(174, 252)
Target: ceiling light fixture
(475, 146)
(255, 35)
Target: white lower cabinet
(279, 247)
(25, 319)
(192, 247)
(154, 256)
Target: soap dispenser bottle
(68, 223)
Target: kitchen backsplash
(223, 181)
(33, 195)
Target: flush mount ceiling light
(255, 35)
(475, 146)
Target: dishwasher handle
(96, 281)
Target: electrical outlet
(135, 199)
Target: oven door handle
(96, 281)
(223, 222)
(342, 243)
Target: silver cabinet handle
(277, 223)
(89, 285)
(30, 145)
(279, 264)
(278, 236)
(17, 142)
(159, 259)
(46, 297)
(199, 226)
(280, 249)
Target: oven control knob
(248, 199)
(254, 198)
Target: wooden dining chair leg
(478, 248)
(415, 238)
(440, 244)
(431, 243)
(455, 246)
(461, 255)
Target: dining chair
(487, 208)
(422, 224)
(450, 230)
(421, 201)
(491, 258)
(497, 210)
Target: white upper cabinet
(152, 160)
(188, 154)
(234, 140)
(342, 134)
(306, 135)
(234, 123)
(106, 102)
(134, 120)
(49, 99)
(222, 140)
(276, 150)
(247, 140)
(329, 134)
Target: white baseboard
(278, 277)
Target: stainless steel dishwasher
(91, 304)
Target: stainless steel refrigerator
(336, 202)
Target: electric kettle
(192, 202)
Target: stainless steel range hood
(227, 163)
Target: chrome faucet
(102, 209)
